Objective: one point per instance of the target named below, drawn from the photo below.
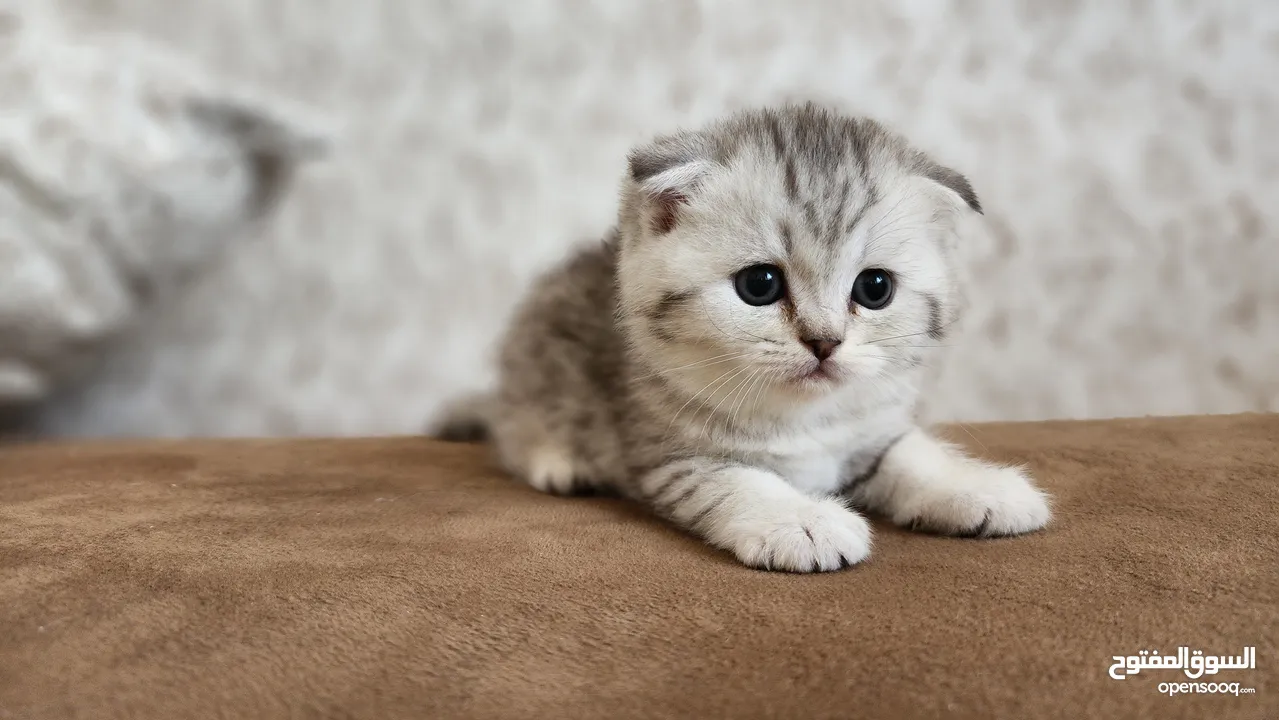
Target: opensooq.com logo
(1194, 663)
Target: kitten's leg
(756, 515)
(535, 449)
(925, 484)
(551, 469)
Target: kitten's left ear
(667, 173)
(950, 180)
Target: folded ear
(950, 180)
(667, 172)
(273, 140)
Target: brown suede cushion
(403, 578)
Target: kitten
(743, 352)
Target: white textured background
(1127, 152)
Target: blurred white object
(121, 172)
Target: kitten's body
(576, 411)
(634, 367)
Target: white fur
(551, 470)
(793, 533)
(766, 522)
(679, 178)
(926, 484)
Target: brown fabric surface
(403, 578)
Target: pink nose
(823, 348)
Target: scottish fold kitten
(743, 352)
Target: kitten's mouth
(821, 372)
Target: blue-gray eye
(760, 284)
(873, 289)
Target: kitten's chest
(814, 473)
(821, 459)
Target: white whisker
(711, 415)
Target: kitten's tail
(465, 419)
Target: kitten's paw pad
(986, 502)
(801, 536)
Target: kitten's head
(791, 253)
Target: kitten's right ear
(951, 181)
(667, 172)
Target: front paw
(799, 535)
(981, 502)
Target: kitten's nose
(823, 348)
